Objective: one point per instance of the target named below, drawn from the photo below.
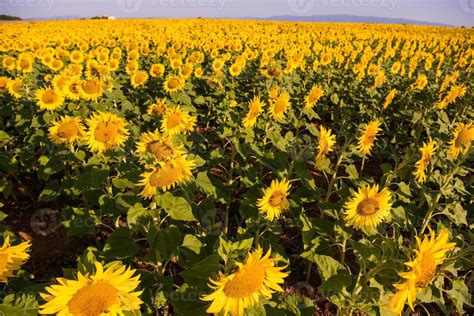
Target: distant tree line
(4, 17)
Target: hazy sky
(455, 12)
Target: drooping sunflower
(67, 130)
(274, 200)
(106, 131)
(12, 258)
(49, 99)
(176, 120)
(367, 137)
(157, 146)
(173, 83)
(389, 98)
(430, 253)
(313, 97)
(255, 109)
(110, 292)
(256, 277)
(368, 207)
(427, 151)
(463, 136)
(279, 107)
(139, 78)
(166, 175)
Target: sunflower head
(173, 84)
(280, 106)
(462, 139)
(368, 207)
(139, 78)
(275, 199)
(12, 258)
(176, 121)
(49, 99)
(66, 130)
(156, 146)
(313, 96)
(367, 138)
(430, 253)
(106, 131)
(106, 292)
(256, 277)
(255, 109)
(166, 175)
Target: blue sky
(455, 12)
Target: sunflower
(157, 108)
(12, 258)
(420, 83)
(256, 277)
(462, 138)
(176, 120)
(427, 151)
(389, 98)
(139, 78)
(367, 138)
(153, 144)
(106, 131)
(274, 200)
(3, 84)
(313, 97)
(431, 253)
(279, 107)
(157, 70)
(49, 99)
(66, 130)
(110, 292)
(273, 94)
(255, 108)
(14, 86)
(91, 89)
(173, 83)
(235, 70)
(326, 141)
(368, 207)
(166, 175)
(72, 88)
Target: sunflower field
(193, 167)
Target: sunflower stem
(333, 179)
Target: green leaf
(203, 182)
(177, 207)
(459, 294)
(352, 172)
(202, 270)
(327, 265)
(120, 244)
(164, 242)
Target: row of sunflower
(237, 167)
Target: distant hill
(348, 18)
(295, 18)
